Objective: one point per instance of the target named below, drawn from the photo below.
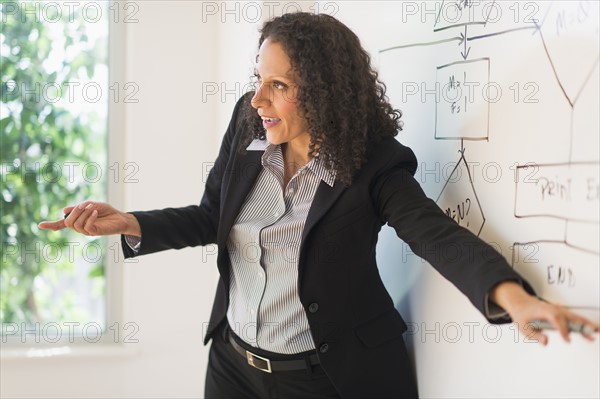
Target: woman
(308, 172)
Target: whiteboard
(500, 104)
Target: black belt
(267, 365)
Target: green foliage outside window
(53, 147)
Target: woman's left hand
(525, 310)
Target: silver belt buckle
(251, 357)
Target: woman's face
(275, 98)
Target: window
(54, 105)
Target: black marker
(572, 326)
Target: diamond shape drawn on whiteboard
(458, 198)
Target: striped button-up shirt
(264, 246)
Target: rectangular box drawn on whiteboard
(567, 191)
(560, 273)
(463, 93)
(453, 13)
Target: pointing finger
(58, 225)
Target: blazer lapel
(237, 182)
(324, 199)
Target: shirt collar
(258, 145)
(315, 164)
(318, 168)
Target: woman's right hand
(95, 219)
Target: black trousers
(230, 376)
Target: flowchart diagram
(567, 270)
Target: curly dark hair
(340, 95)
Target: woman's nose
(261, 96)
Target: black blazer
(353, 320)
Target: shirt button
(251, 311)
(323, 348)
(313, 307)
(276, 214)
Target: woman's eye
(257, 81)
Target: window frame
(118, 334)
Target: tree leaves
(38, 132)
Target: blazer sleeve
(175, 228)
(468, 262)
